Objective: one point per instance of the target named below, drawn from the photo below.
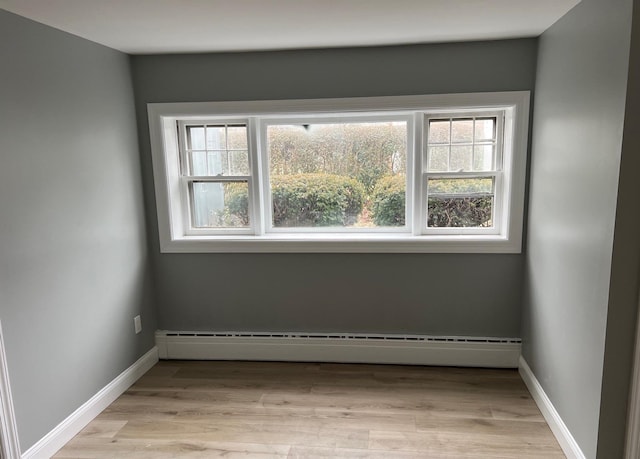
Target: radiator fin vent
(349, 336)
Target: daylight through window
(337, 175)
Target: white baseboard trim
(69, 428)
(632, 447)
(384, 349)
(558, 427)
(9, 444)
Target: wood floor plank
(102, 428)
(164, 369)
(186, 398)
(474, 426)
(158, 408)
(212, 430)
(443, 444)
(305, 452)
(316, 418)
(168, 449)
(348, 402)
(227, 383)
(425, 392)
(411, 403)
(517, 412)
(315, 410)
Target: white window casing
(174, 177)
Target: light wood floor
(297, 410)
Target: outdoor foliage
(464, 211)
(353, 174)
(316, 200)
(458, 203)
(236, 211)
(331, 200)
(363, 151)
(388, 201)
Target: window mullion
(257, 179)
(187, 199)
(183, 172)
(419, 165)
(265, 177)
(449, 145)
(183, 160)
(217, 178)
(474, 174)
(501, 201)
(498, 201)
(499, 144)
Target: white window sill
(341, 243)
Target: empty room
(319, 228)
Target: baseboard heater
(340, 348)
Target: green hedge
(462, 203)
(311, 200)
(315, 200)
(457, 212)
(388, 201)
(236, 199)
(449, 211)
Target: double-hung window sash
(216, 176)
(463, 174)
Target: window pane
(217, 163)
(220, 205)
(220, 162)
(454, 203)
(485, 129)
(460, 158)
(439, 131)
(218, 150)
(483, 158)
(216, 138)
(195, 137)
(338, 175)
(238, 162)
(438, 159)
(462, 131)
(210, 163)
(199, 163)
(237, 137)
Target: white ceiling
(179, 26)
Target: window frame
(176, 234)
(498, 173)
(333, 118)
(187, 178)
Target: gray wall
(73, 257)
(412, 293)
(73, 263)
(577, 143)
(625, 272)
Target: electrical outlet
(137, 323)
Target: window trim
(187, 180)
(174, 231)
(498, 173)
(333, 118)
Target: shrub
(315, 200)
(465, 211)
(462, 203)
(471, 210)
(388, 201)
(236, 199)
